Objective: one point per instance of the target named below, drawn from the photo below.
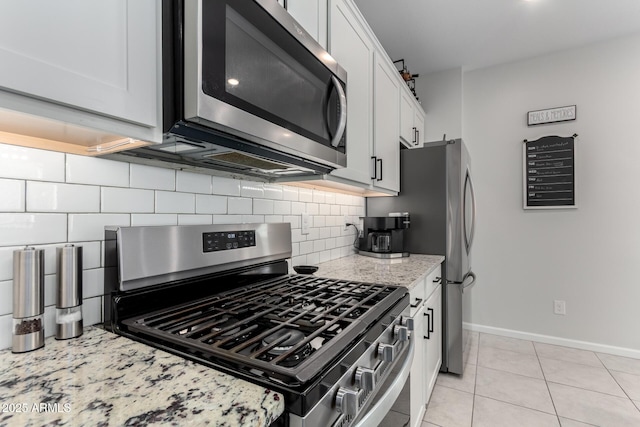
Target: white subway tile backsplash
(263, 207)
(190, 182)
(297, 236)
(195, 219)
(153, 219)
(306, 247)
(92, 311)
(59, 197)
(314, 234)
(299, 260)
(295, 249)
(50, 286)
(96, 171)
(206, 204)
(49, 321)
(238, 205)
(91, 226)
(225, 186)
(227, 219)
(324, 232)
(13, 195)
(32, 229)
(319, 246)
(170, 202)
(325, 256)
(335, 210)
(298, 208)
(90, 254)
(293, 219)
(318, 196)
(319, 221)
(274, 192)
(313, 258)
(6, 324)
(28, 163)
(282, 207)
(324, 209)
(312, 208)
(252, 219)
(290, 193)
(152, 178)
(127, 200)
(336, 253)
(305, 195)
(344, 210)
(251, 189)
(273, 218)
(6, 297)
(330, 198)
(92, 282)
(330, 243)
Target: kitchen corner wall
(587, 256)
(48, 199)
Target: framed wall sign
(549, 173)
(551, 115)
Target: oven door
(247, 74)
(380, 405)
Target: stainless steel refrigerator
(436, 189)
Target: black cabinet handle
(418, 137)
(380, 179)
(418, 301)
(437, 280)
(428, 337)
(415, 138)
(375, 167)
(431, 322)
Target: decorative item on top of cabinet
(409, 78)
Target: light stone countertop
(399, 271)
(105, 379)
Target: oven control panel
(226, 240)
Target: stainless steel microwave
(247, 89)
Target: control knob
(386, 352)
(347, 401)
(365, 378)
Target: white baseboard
(548, 339)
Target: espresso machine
(383, 236)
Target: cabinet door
(350, 45)
(433, 335)
(95, 56)
(386, 126)
(416, 378)
(407, 130)
(312, 15)
(418, 123)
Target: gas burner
(286, 339)
(352, 315)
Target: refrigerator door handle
(464, 283)
(468, 237)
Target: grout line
(546, 383)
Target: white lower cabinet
(432, 329)
(416, 377)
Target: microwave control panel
(226, 240)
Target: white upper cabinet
(91, 56)
(352, 47)
(312, 15)
(386, 125)
(411, 120)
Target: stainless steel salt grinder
(28, 300)
(69, 292)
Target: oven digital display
(222, 241)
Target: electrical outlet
(306, 220)
(559, 307)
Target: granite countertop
(105, 379)
(398, 271)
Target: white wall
(48, 199)
(441, 97)
(589, 256)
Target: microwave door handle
(342, 120)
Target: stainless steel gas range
(339, 351)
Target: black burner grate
(288, 327)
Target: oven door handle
(384, 404)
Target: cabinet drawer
(433, 280)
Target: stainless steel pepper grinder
(69, 292)
(28, 300)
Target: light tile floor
(511, 382)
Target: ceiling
(436, 35)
